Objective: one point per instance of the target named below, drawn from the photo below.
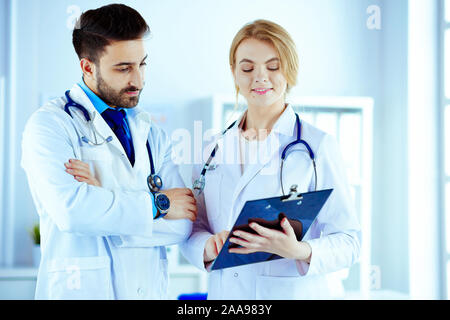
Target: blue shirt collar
(98, 103)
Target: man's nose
(137, 79)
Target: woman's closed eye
(270, 68)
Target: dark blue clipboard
(301, 207)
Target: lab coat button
(140, 292)
(236, 275)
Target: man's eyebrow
(120, 64)
(250, 61)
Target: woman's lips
(261, 91)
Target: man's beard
(113, 98)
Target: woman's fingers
(250, 240)
(242, 250)
(223, 236)
(218, 245)
(265, 232)
(287, 228)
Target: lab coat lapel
(276, 140)
(252, 171)
(139, 123)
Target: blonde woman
(264, 64)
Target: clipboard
(300, 209)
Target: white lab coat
(99, 243)
(334, 236)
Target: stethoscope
(154, 181)
(199, 184)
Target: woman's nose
(261, 75)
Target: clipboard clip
(293, 195)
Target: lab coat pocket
(275, 288)
(213, 194)
(85, 278)
(100, 163)
(291, 288)
(97, 153)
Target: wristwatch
(162, 204)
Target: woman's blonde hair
(273, 33)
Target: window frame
(444, 180)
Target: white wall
(189, 60)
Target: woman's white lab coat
(99, 243)
(334, 236)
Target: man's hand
(81, 172)
(182, 204)
(213, 246)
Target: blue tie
(116, 121)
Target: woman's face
(258, 74)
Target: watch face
(162, 201)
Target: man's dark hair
(96, 29)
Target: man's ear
(88, 68)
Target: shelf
(20, 273)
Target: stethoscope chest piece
(154, 182)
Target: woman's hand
(81, 172)
(213, 246)
(284, 244)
